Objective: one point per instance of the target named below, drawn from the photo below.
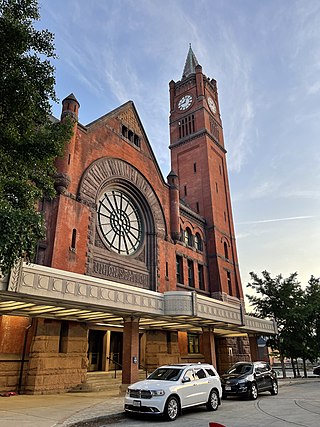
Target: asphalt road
(295, 405)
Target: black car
(316, 370)
(248, 379)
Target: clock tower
(198, 157)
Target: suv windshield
(240, 369)
(166, 374)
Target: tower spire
(191, 63)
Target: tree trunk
(298, 370)
(305, 368)
(293, 368)
(283, 367)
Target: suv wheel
(213, 401)
(274, 390)
(253, 393)
(171, 410)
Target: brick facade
(116, 218)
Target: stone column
(130, 354)
(253, 340)
(208, 345)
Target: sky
(265, 56)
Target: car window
(240, 369)
(210, 372)
(166, 374)
(260, 369)
(189, 374)
(199, 374)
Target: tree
(29, 139)
(282, 299)
(312, 307)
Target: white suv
(171, 388)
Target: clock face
(185, 102)
(212, 105)
(119, 222)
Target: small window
(197, 207)
(74, 239)
(69, 159)
(217, 191)
(193, 343)
(229, 282)
(198, 242)
(194, 167)
(188, 237)
(225, 216)
(124, 131)
(130, 135)
(167, 269)
(225, 246)
(185, 190)
(179, 267)
(201, 277)
(136, 140)
(190, 273)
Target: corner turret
(70, 107)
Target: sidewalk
(64, 410)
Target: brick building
(136, 270)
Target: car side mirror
(186, 380)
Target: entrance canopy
(39, 291)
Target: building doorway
(95, 350)
(115, 361)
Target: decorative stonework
(129, 118)
(72, 289)
(106, 173)
(105, 170)
(110, 271)
(180, 303)
(61, 182)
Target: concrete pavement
(64, 410)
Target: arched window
(74, 239)
(225, 246)
(188, 237)
(198, 242)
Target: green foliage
(295, 310)
(29, 139)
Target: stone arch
(108, 169)
(116, 173)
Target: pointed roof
(191, 63)
(71, 97)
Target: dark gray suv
(248, 379)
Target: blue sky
(265, 56)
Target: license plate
(228, 387)
(136, 403)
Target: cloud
(263, 221)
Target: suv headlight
(157, 392)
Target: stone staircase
(104, 381)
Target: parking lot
(295, 405)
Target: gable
(125, 121)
